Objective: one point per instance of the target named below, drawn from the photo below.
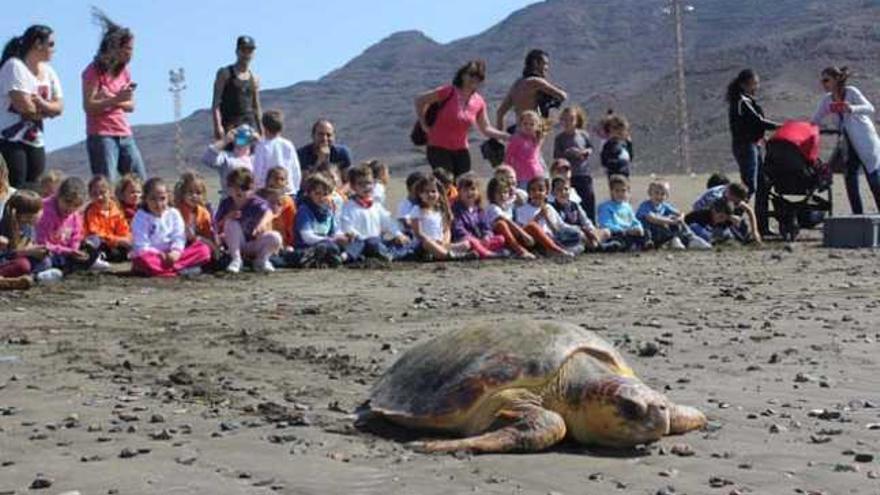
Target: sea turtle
(523, 386)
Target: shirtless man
(528, 92)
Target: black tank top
(237, 101)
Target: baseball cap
(245, 42)
(244, 135)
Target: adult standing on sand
(533, 91)
(237, 92)
(853, 114)
(108, 95)
(747, 128)
(461, 106)
(29, 92)
(323, 148)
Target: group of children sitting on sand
(327, 219)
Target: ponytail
(11, 50)
(19, 46)
(839, 74)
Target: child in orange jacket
(105, 221)
(285, 215)
(189, 198)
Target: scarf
(363, 202)
(321, 212)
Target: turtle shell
(449, 374)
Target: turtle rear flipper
(529, 428)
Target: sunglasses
(826, 79)
(476, 75)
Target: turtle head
(618, 412)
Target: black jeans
(457, 162)
(26, 163)
(583, 185)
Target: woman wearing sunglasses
(29, 92)
(853, 114)
(460, 107)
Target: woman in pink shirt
(108, 95)
(460, 108)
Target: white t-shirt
(277, 152)
(405, 209)
(527, 212)
(379, 192)
(430, 223)
(367, 223)
(494, 212)
(15, 76)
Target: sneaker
(50, 276)
(264, 266)
(192, 271)
(676, 245)
(234, 266)
(697, 243)
(100, 265)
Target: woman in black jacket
(747, 128)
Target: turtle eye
(631, 409)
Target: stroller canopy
(803, 135)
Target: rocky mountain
(605, 54)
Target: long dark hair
(114, 37)
(735, 88)
(19, 46)
(532, 59)
(23, 202)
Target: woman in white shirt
(854, 115)
(29, 92)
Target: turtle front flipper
(683, 419)
(529, 428)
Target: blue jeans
(851, 178)
(712, 234)
(660, 235)
(111, 156)
(375, 247)
(748, 157)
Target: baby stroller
(795, 181)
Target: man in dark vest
(237, 92)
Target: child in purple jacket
(470, 223)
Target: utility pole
(684, 141)
(177, 80)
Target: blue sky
(297, 40)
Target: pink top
(524, 155)
(112, 121)
(450, 130)
(60, 235)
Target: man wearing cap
(237, 92)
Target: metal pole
(684, 154)
(177, 80)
